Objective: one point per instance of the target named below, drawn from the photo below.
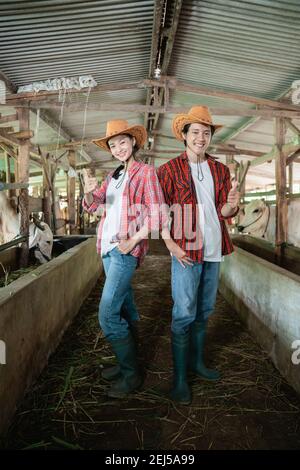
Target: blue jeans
(117, 309)
(194, 292)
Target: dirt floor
(251, 407)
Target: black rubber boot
(196, 363)
(181, 392)
(130, 379)
(114, 372)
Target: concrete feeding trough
(35, 311)
(267, 298)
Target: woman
(131, 196)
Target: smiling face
(198, 138)
(121, 147)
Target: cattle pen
(146, 61)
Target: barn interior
(66, 68)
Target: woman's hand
(90, 183)
(126, 246)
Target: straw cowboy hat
(120, 126)
(197, 114)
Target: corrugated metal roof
(108, 39)
(249, 47)
(244, 47)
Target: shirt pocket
(183, 191)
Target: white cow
(41, 241)
(259, 221)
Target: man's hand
(179, 254)
(89, 182)
(233, 195)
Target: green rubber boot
(114, 372)
(196, 363)
(130, 379)
(181, 392)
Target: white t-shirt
(113, 208)
(209, 221)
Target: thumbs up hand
(89, 182)
(233, 195)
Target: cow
(259, 221)
(40, 235)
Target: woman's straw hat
(120, 126)
(197, 114)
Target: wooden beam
(9, 85)
(156, 36)
(44, 114)
(23, 163)
(24, 98)
(8, 138)
(9, 150)
(158, 109)
(281, 201)
(292, 127)
(287, 149)
(18, 99)
(165, 54)
(26, 134)
(9, 129)
(8, 118)
(182, 86)
(293, 157)
(171, 36)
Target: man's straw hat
(197, 114)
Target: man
(197, 188)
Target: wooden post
(46, 201)
(8, 172)
(23, 169)
(281, 201)
(71, 194)
(290, 178)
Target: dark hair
(186, 129)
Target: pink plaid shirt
(141, 201)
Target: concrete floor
(251, 407)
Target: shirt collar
(184, 156)
(134, 167)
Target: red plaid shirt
(142, 197)
(178, 187)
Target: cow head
(9, 221)
(255, 219)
